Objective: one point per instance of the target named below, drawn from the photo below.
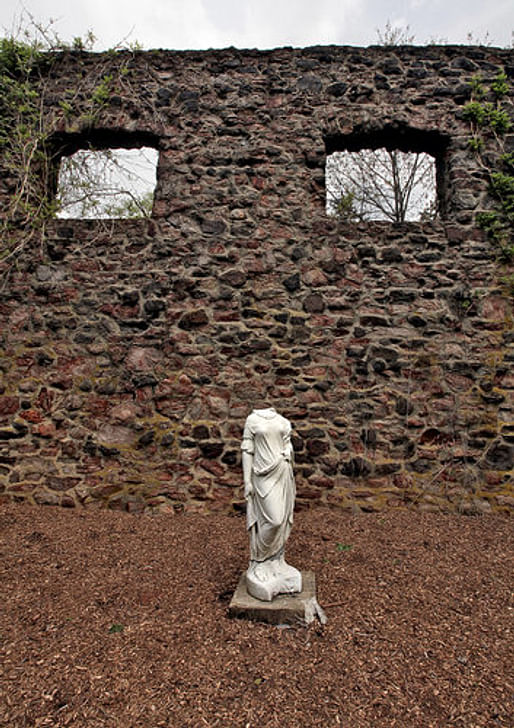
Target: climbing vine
(488, 115)
(27, 127)
(21, 136)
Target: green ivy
(26, 127)
(490, 120)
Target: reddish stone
(193, 507)
(106, 490)
(85, 265)
(493, 479)
(144, 394)
(444, 404)
(32, 416)
(143, 359)
(45, 429)
(22, 488)
(198, 491)
(9, 405)
(235, 278)
(164, 388)
(321, 482)
(136, 506)
(259, 182)
(317, 447)
(193, 320)
(218, 406)
(226, 316)
(56, 483)
(45, 399)
(309, 493)
(60, 381)
(45, 498)
(505, 500)
(401, 480)
(97, 406)
(124, 413)
(184, 386)
(213, 467)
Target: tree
(381, 184)
(107, 183)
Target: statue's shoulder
(283, 425)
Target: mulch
(111, 619)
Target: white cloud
(266, 23)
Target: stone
(298, 609)
(213, 226)
(356, 467)
(337, 89)
(310, 84)
(314, 303)
(500, 456)
(114, 435)
(292, 283)
(143, 358)
(9, 405)
(193, 320)
(211, 449)
(235, 278)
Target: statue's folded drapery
(267, 438)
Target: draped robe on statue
(267, 437)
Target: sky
(202, 24)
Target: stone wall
(132, 351)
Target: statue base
(298, 609)
(268, 579)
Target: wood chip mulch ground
(111, 619)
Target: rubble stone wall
(133, 350)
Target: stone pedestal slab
(295, 609)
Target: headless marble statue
(270, 493)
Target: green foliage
(102, 93)
(498, 120)
(508, 283)
(115, 628)
(477, 88)
(18, 97)
(487, 114)
(27, 124)
(476, 144)
(131, 207)
(84, 44)
(20, 136)
(500, 85)
(475, 111)
(345, 207)
(502, 186)
(344, 546)
(490, 120)
(507, 160)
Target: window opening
(381, 184)
(107, 183)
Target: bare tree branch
(383, 184)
